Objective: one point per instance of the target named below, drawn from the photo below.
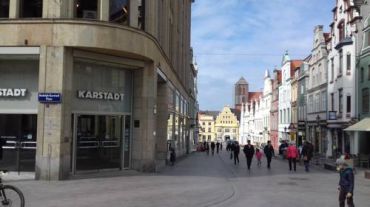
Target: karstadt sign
(96, 95)
(13, 92)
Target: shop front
(18, 111)
(101, 117)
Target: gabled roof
(254, 96)
(241, 81)
(210, 113)
(294, 65)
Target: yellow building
(227, 125)
(207, 126)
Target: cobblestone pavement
(198, 180)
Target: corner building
(123, 72)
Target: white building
(341, 78)
(266, 106)
(288, 67)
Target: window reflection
(31, 8)
(4, 8)
(119, 11)
(86, 9)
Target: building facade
(294, 104)
(227, 125)
(207, 130)
(316, 91)
(274, 115)
(111, 93)
(286, 129)
(302, 102)
(341, 91)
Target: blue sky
(234, 38)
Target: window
(362, 75)
(209, 129)
(30, 8)
(365, 100)
(4, 8)
(203, 123)
(332, 69)
(209, 123)
(341, 31)
(368, 38)
(323, 99)
(340, 96)
(87, 9)
(348, 104)
(234, 130)
(119, 11)
(332, 101)
(348, 63)
(209, 137)
(219, 130)
(340, 63)
(227, 130)
(204, 137)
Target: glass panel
(119, 11)
(87, 9)
(127, 146)
(4, 8)
(18, 141)
(31, 8)
(99, 141)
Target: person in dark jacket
(236, 150)
(217, 147)
(269, 153)
(307, 153)
(346, 183)
(213, 148)
(2, 143)
(249, 152)
(207, 148)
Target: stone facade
(150, 40)
(227, 125)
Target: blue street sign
(50, 98)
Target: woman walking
(292, 155)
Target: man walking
(236, 150)
(249, 152)
(217, 146)
(213, 148)
(269, 153)
(307, 153)
(346, 183)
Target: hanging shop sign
(50, 98)
(13, 92)
(96, 95)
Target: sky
(235, 38)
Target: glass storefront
(101, 117)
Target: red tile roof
(294, 65)
(327, 37)
(253, 96)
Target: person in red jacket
(292, 155)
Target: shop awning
(363, 125)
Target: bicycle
(10, 196)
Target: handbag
(305, 158)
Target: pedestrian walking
(217, 146)
(213, 148)
(207, 148)
(259, 157)
(292, 155)
(269, 153)
(249, 152)
(346, 183)
(221, 146)
(307, 152)
(236, 150)
(231, 148)
(172, 156)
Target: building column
(57, 9)
(103, 10)
(14, 9)
(161, 124)
(54, 134)
(144, 131)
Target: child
(259, 157)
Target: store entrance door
(101, 142)
(18, 142)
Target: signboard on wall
(13, 92)
(50, 97)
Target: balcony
(343, 42)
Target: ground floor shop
(77, 112)
(340, 142)
(317, 135)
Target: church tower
(241, 93)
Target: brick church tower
(241, 93)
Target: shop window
(119, 11)
(30, 8)
(365, 100)
(87, 9)
(4, 8)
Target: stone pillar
(161, 124)
(104, 10)
(57, 9)
(14, 9)
(134, 13)
(144, 132)
(54, 120)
